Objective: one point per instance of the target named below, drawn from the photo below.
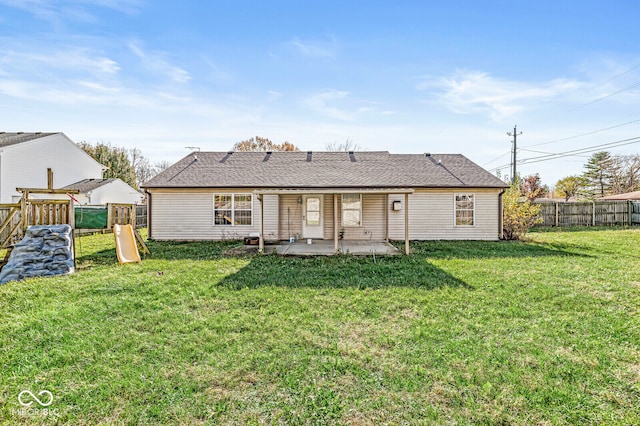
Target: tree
(532, 188)
(570, 186)
(116, 159)
(143, 169)
(347, 145)
(518, 215)
(259, 144)
(598, 173)
(161, 166)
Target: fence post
(593, 212)
(630, 212)
(556, 214)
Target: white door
(312, 221)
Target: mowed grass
(539, 332)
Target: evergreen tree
(598, 172)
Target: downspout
(149, 234)
(500, 216)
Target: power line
(584, 134)
(497, 158)
(574, 152)
(633, 86)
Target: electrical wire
(583, 134)
(574, 152)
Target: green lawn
(542, 332)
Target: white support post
(261, 238)
(406, 223)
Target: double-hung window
(232, 209)
(351, 209)
(464, 207)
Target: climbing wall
(45, 250)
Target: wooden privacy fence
(590, 213)
(17, 217)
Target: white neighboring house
(104, 191)
(25, 158)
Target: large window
(351, 209)
(232, 209)
(464, 209)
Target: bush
(519, 215)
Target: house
(104, 191)
(635, 195)
(325, 195)
(25, 158)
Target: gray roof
(302, 169)
(7, 138)
(87, 185)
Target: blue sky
(407, 77)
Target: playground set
(39, 234)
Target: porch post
(406, 223)
(335, 223)
(261, 238)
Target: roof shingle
(377, 169)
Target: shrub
(519, 214)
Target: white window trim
(343, 209)
(233, 210)
(455, 210)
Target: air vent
(267, 156)
(352, 157)
(226, 157)
(309, 154)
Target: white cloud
(57, 12)
(467, 92)
(318, 49)
(155, 61)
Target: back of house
(324, 195)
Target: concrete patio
(327, 248)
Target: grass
(541, 332)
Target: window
(464, 209)
(232, 209)
(351, 209)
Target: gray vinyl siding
(373, 225)
(188, 216)
(431, 216)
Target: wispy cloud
(467, 92)
(318, 49)
(72, 58)
(57, 12)
(155, 61)
(339, 104)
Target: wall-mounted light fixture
(299, 199)
(396, 206)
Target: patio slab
(327, 248)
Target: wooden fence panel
(589, 213)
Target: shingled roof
(8, 139)
(302, 169)
(87, 185)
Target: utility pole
(514, 173)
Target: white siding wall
(431, 216)
(189, 216)
(114, 192)
(25, 165)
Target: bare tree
(347, 145)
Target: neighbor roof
(8, 139)
(302, 169)
(635, 195)
(87, 185)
